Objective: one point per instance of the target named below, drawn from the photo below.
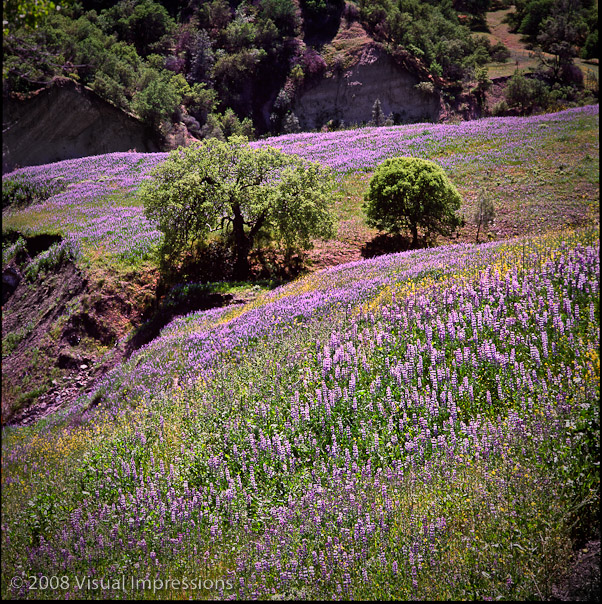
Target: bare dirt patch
(582, 580)
(60, 333)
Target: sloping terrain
(419, 425)
(416, 415)
(541, 171)
(521, 57)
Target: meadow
(542, 170)
(422, 425)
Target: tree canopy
(411, 193)
(240, 192)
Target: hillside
(417, 425)
(168, 72)
(541, 170)
(219, 67)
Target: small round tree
(240, 192)
(412, 193)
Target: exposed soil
(66, 330)
(28, 316)
(582, 580)
(61, 333)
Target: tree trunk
(414, 230)
(242, 246)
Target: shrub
(411, 193)
(157, 101)
(500, 53)
(144, 24)
(525, 94)
(484, 213)
(19, 190)
(425, 88)
(591, 48)
(291, 123)
(500, 108)
(12, 250)
(239, 192)
(378, 117)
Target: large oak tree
(240, 192)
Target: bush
(484, 213)
(425, 88)
(591, 48)
(525, 94)
(411, 193)
(500, 53)
(500, 108)
(143, 23)
(244, 194)
(157, 101)
(18, 190)
(12, 250)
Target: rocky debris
(63, 393)
(179, 135)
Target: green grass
(507, 529)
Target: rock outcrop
(350, 95)
(64, 121)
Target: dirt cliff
(66, 120)
(349, 93)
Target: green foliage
(12, 250)
(284, 15)
(157, 101)
(431, 31)
(561, 28)
(243, 52)
(536, 12)
(25, 13)
(19, 191)
(560, 34)
(202, 58)
(143, 23)
(591, 48)
(411, 193)
(526, 94)
(198, 99)
(241, 192)
(232, 126)
(224, 125)
(500, 53)
(52, 258)
(483, 84)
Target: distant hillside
(219, 67)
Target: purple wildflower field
(422, 425)
(359, 433)
(96, 205)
